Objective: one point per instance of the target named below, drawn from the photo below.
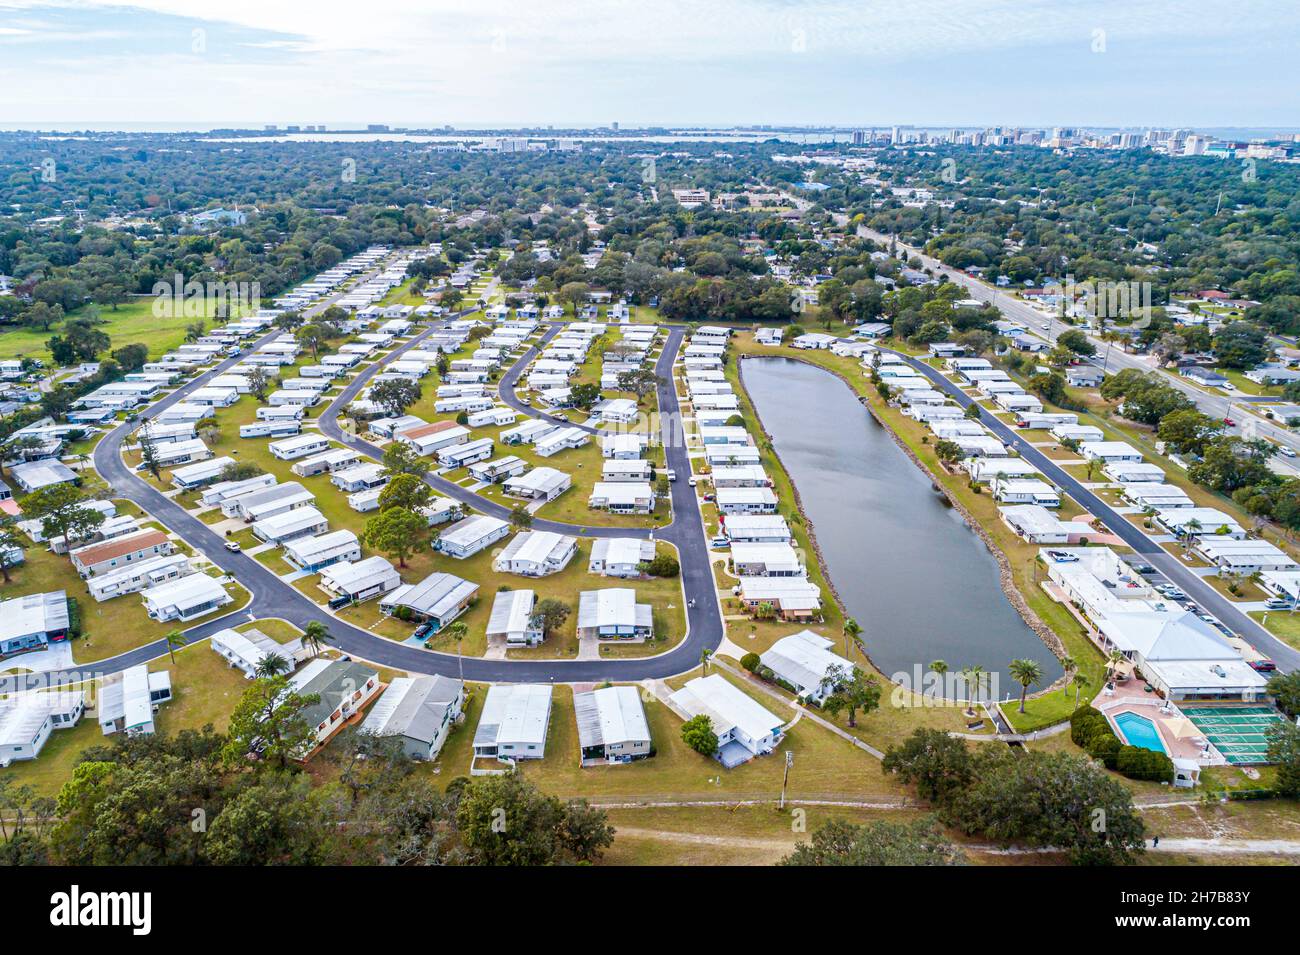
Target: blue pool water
(1139, 731)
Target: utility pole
(789, 761)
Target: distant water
(907, 567)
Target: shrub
(74, 619)
(750, 662)
(1137, 763)
(1105, 747)
(663, 565)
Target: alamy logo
(75, 908)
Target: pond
(907, 567)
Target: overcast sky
(200, 63)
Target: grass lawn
(1283, 625)
(725, 835)
(109, 627)
(132, 321)
(204, 690)
(824, 764)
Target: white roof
(514, 714)
(33, 613)
(726, 706)
(512, 610)
(622, 492)
(472, 529)
(536, 546)
(354, 575)
(311, 549)
(1210, 520)
(622, 550)
(288, 521)
(541, 480)
(775, 556)
(803, 659)
(612, 607)
(184, 592)
(611, 714)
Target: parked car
(1286, 451)
(233, 547)
(691, 481)
(1277, 603)
(1062, 557)
(720, 542)
(672, 475)
(1263, 666)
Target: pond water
(919, 581)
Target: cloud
(486, 61)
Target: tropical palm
(851, 630)
(315, 636)
(1080, 681)
(939, 668)
(273, 664)
(704, 661)
(175, 640)
(1113, 660)
(1026, 673)
(976, 677)
(457, 631)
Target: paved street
(1112, 358)
(1286, 657)
(272, 597)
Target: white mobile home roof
(803, 659)
(288, 522)
(726, 707)
(514, 714)
(612, 714)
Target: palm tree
(1190, 530)
(1080, 681)
(939, 668)
(851, 631)
(175, 640)
(976, 677)
(273, 664)
(1026, 673)
(315, 636)
(704, 662)
(457, 632)
(1113, 660)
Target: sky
(196, 64)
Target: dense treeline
(1184, 224)
(192, 799)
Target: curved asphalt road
(1286, 657)
(272, 597)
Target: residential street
(272, 597)
(1286, 657)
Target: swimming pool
(1139, 731)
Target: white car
(1285, 451)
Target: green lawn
(824, 763)
(109, 627)
(1283, 625)
(204, 690)
(131, 322)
